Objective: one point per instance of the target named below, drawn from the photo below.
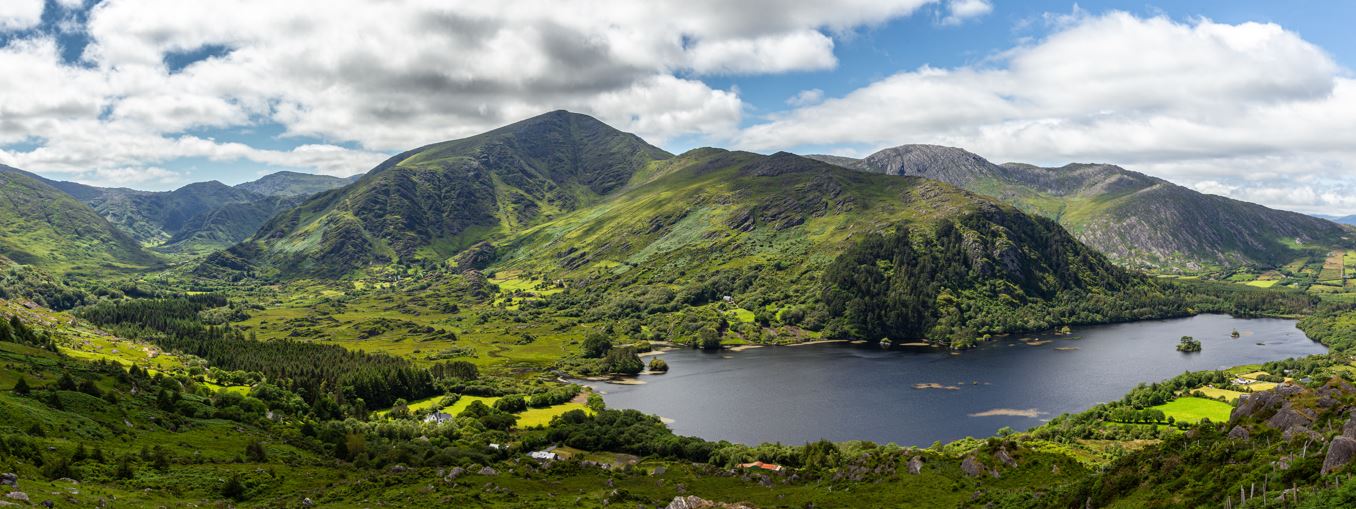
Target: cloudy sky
(1253, 99)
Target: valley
(481, 322)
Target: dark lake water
(845, 392)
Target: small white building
(438, 418)
(542, 455)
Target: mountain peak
(291, 183)
(948, 164)
(451, 194)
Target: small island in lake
(1189, 344)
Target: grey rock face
(916, 465)
(454, 474)
(973, 467)
(1340, 452)
(1289, 417)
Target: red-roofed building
(764, 466)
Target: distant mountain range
(202, 216)
(1135, 219)
(1351, 220)
(494, 191)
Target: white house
(438, 418)
(542, 455)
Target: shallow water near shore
(916, 395)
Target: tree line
(312, 370)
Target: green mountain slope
(44, 227)
(291, 183)
(1135, 219)
(851, 253)
(226, 224)
(431, 202)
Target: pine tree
(233, 489)
(66, 383)
(254, 452)
(21, 387)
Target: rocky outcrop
(454, 474)
(1256, 404)
(1239, 433)
(1005, 457)
(694, 502)
(916, 465)
(1349, 429)
(975, 468)
(1340, 452)
(1290, 417)
(1300, 433)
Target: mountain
(566, 198)
(1135, 219)
(43, 226)
(291, 183)
(852, 253)
(1351, 220)
(194, 218)
(431, 202)
(198, 217)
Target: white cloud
(388, 76)
(805, 50)
(134, 177)
(806, 97)
(20, 14)
(1234, 108)
(960, 11)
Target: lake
(916, 395)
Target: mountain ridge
(201, 216)
(1137, 219)
(433, 201)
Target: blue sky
(910, 42)
(156, 94)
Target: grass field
(1211, 392)
(1332, 267)
(1262, 386)
(743, 315)
(543, 416)
(1260, 283)
(419, 405)
(1192, 409)
(465, 401)
(528, 418)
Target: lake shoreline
(913, 396)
